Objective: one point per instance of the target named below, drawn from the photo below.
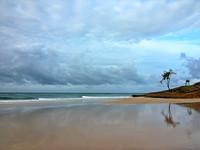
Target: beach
(88, 126)
(147, 100)
(100, 75)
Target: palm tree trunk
(168, 84)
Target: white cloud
(113, 19)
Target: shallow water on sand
(99, 126)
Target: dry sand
(145, 100)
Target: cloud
(36, 64)
(132, 20)
(91, 43)
(193, 65)
(183, 56)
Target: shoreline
(131, 100)
(148, 100)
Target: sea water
(39, 97)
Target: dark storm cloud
(37, 64)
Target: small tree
(187, 82)
(166, 76)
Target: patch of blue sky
(188, 36)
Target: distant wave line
(29, 99)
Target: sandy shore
(52, 126)
(145, 100)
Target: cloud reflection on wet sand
(99, 127)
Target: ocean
(39, 97)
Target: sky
(98, 45)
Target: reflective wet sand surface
(100, 127)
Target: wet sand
(145, 100)
(60, 126)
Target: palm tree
(187, 82)
(166, 76)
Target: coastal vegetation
(166, 77)
(187, 82)
(187, 91)
(192, 91)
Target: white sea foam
(83, 98)
(58, 99)
(37, 100)
(17, 101)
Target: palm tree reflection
(168, 118)
(189, 110)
